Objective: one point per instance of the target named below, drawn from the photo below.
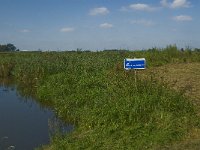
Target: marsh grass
(94, 92)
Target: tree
(11, 47)
(7, 48)
(197, 49)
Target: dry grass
(185, 78)
(191, 142)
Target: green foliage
(197, 49)
(7, 48)
(93, 91)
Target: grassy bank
(94, 92)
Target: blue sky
(99, 24)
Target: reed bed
(109, 110)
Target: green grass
(93, 91)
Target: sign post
(136, 63)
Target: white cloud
(182, 18)
(141, 7)
(99, 11)
(25, 31)
(164, 3)
(175, 3)
(180, 3)
(143, 22)
(105, 25)
(67, 29)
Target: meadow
(92, 91)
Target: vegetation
(8, 48)
(109, 110)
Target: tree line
(8, 48)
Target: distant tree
(11, 47)
(182, 49)
(2, 48)
(7, 48)
(197, 49)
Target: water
(25, 124)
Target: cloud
(142, 7)
(67, 29)
(182, 18)
(99, 11)
(164, 3)
(25, 31)
(180, 3)
(175, 3)
(143, 22)
(105, 25)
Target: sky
(99, 24)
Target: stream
(24, 123)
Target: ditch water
(24, 123)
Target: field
(108, 109)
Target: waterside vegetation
(108, 108)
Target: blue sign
(136, 63)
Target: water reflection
(24, 122)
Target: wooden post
(135, 78)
